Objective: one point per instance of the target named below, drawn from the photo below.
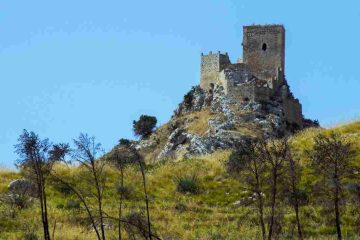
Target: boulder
(23, 187)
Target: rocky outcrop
(22, 187)
(232, 123)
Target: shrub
(124, 191)
(20, 201)
(144, 126)
(30, 236)
(301, 196)
(187, 184)
(72, 204)
(188, 98)
(181, 207)
(124, 142)
(136, 225)
(61, 188)
(354, 189)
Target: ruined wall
(234, 75)
(239, 84)
(293, 111)
(211, 65)
(264, 50)
(249, 91)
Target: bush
(187, 184)
(72, 204)
(188, 98)
(354, 189)
(301, 196)
(124, 191)
(181, 207)
(136, 225)
(124, 142)
(20, 201)
(30, 236)
(144, 126)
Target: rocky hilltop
(234, 102)
(206, 121)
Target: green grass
(209, 214)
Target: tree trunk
(120, 201)
(261, 212)
(260, 201)
(295, 192)
(146, 200)
(42, 199)
(99, 198)
(337, 214)
(273, 202)
(42, 210)
(296, 207)
(46, 215)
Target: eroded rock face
(222, 128)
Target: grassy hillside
(209, 214)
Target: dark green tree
(144, 126)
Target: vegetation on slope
(212, 212)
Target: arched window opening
(264, 47)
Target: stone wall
(211, 65)
(234, 75)
(293, 111)
(264, 50)
(249, 91)
(239, 84)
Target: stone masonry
(259, 76)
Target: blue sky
(94, 66)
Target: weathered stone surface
(221, 134)
(22, 187)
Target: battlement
(216, 53)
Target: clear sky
(94, 66)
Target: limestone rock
(22, 187)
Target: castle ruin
(259, 76)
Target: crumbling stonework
(260, 77)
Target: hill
(212, 213)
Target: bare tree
(127, 154)
(140, 160)
(86, 152)
(274, 153)
(247, 165)
(37, 158)
(331, 158)
(121, 157)
(296, 195)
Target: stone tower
(211, 65)
(264, 52)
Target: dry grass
(207, 215)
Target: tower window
(264, 47)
